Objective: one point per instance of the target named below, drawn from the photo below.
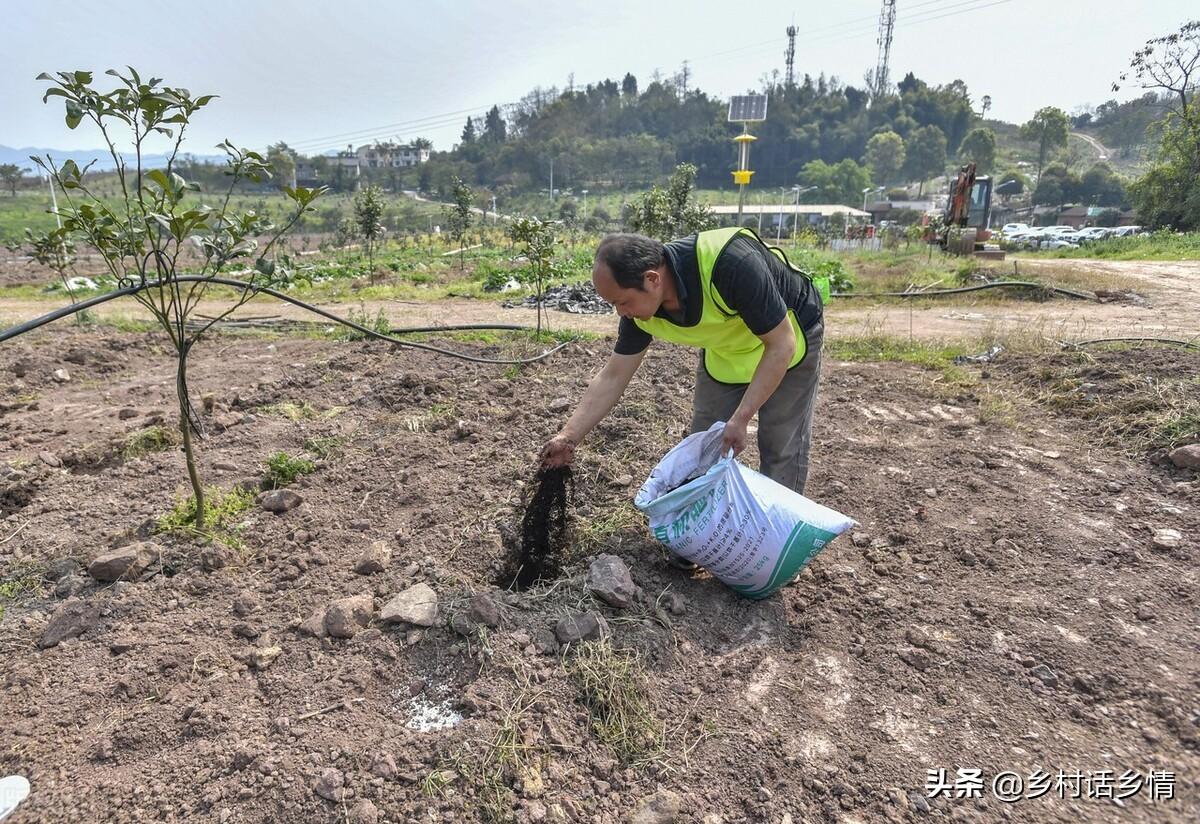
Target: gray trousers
(784, 421)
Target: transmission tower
(887, 23)
(791, 55)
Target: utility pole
(585, 205)
(495, 214)
(551, 180)
(791, 56)
(684, 75)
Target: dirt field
(1009, 602)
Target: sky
(322, 75)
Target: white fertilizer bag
(747, 530)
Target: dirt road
(1171, 292)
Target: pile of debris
(578, 299)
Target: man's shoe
(679, 562)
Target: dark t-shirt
(749, 278)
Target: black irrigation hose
(1024, 284)
(65, 311)
(1186, 344)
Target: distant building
(391, 155)
(781, 216)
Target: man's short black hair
(629, 257)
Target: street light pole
(779, 228)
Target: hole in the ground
(15, 497)
(536, 553)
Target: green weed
(283, 469)
(221, 507)
(150, 439)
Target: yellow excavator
(965, 222)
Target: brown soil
(987, 556)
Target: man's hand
(558, 451)
(734, 437)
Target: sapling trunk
(185, 429)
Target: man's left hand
(734, 437)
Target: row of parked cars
(1062, 237)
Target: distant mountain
(104, 161)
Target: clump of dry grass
(615, 689)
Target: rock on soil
(417, 605)
(330, 785)
(364, 812)
(609, 580)
(70, 620)
(126, 563)
(484, 610)
(660, 808)
(375, 559)
(1167, 538)
(586, 626)
(347, 616)
(1186, 457)
(280, 500)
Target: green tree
(885, 157)
(11, 174)
(495, 130)
(283, 164)
(141, 234)
(1168, 195)
(841, 182)
(629, 86)
(1048, 129)
(1056, 186)
(538, 242)
(979, 147)
(468, 132)
(1101, 186)
(368, 220)
(458, 218)
(671, 212)
(925, 155)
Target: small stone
(967, 557)
(127, 413)
(50, 459)
(1186, 457)
(918, 659)
(1114, 487)
(586, 626)
(860, 539)
(314, 624)
(898, 797)
(560, 404)
(1145, 612)
(213, 558)
(544, 642)
(1167, 538)
(375, 559)
(461, 624)
(484, 610)
(226, 466)
(245, 604)
(61, 375)
(263, 657)
(918, 802)
(59, 568)
(126, 563)
(931, 492)
(609, 580)
(660, 808)
(417, 605)
(675, 603)
(347, 616)
(70, 620)
(384, 766)
(330, 785)
(364, 812)
(280, 500)
(1044, 674)
(623, 480)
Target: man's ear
(651, 277)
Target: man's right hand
(559, 451)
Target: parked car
(1092, 234)
(1012, 228)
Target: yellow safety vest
(731, 351)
